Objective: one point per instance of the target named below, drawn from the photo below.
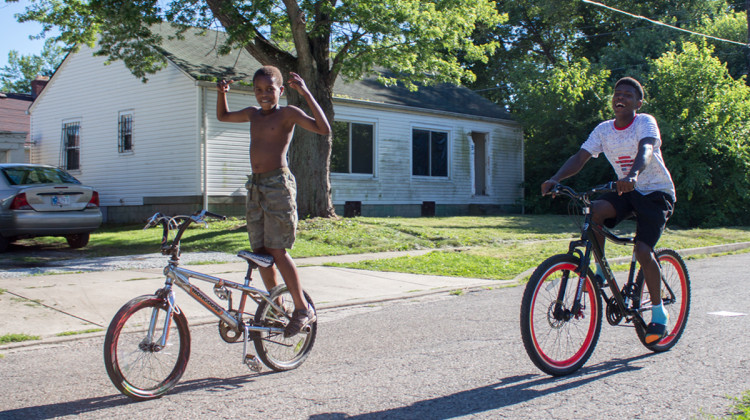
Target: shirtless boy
(271, 189)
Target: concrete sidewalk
(49, 305)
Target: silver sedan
(41, 200)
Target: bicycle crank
(227, 333)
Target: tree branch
(259, 47)
(299, 33)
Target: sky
(14, 35)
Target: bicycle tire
(276, 351)
(557, 346)
(675, 273)
(138, 369)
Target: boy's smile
(625, 102)
(267, 93)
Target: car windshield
(25, 175)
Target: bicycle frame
(176, 275)
(590, 245)
(181, 277)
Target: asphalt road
(444, 356)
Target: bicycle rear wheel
(557, 340)
(276, 351)
(138, 366)
(675, 294)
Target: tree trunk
(310, 153)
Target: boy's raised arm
(319, 124)
(222, 109)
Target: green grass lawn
(495, 247)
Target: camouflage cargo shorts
(271, 209)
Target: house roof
(13, 116)
(198, 56)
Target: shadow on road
(509, 391)
(92, 405)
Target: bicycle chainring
(614, 315)
(227, 333)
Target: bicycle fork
(168, 297)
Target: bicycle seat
(262, 260)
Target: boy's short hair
(270, 71)
(631, 82)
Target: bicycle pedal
(253, 363)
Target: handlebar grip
(608, 187)
(215, 216)
(153, 220)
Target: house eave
(416, 110)
(363, 103)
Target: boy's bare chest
(271, 124)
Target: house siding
(166, 147)
(228, 155)
(393, 183)
(391, 189)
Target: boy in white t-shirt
(632, 144)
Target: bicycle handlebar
(583, 196)
(167, 223)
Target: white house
(157, 146)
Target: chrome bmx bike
(147, 345)
(564, 302)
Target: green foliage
(17, 75)
(558, 109)
(732, 26)
(552, 49)
(416, 40)
(704, 116)
(625, 44)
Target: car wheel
(78, 240)
(4, 242)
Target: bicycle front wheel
(276, 351)
(557, 338)
(675, 295)
(136, 363)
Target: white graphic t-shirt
(620, 145)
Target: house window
(125, 132)
(71, 146)
(352, 149)
(429, 153)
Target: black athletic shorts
(651, 213)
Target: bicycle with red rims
(563, 303)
